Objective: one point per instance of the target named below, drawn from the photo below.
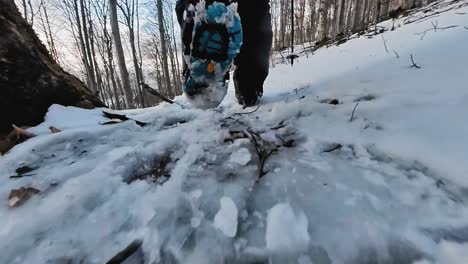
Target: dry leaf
(22, 133)
(21, 195)
(16, 136)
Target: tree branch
(156, 93)
(246, 113)
(385, 43)
(435, 27)
(414, 63)
(263, 151)
(352, 115)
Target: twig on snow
(435, 27)
(279, 126)
(263, 151)
(385, 43)
(333, 148)
(121, 118)
(287, 144)
(352, 115)
(297, 90)
(396, 54)
(414, 63)
(466, 28)
(246, 113)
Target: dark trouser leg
(180, 8)
(253, 61)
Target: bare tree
(129, 10)
(120, 53)
(162, 36)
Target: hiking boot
(246, 94)
(212, 38)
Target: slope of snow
(395, 192)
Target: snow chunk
(448, 253)
(226, 218)
(452, 253)
(69, 117)
(195, 222)
(304, 260)
(241, 157)
(286, 230)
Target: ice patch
(226, 218)
(286, 230)
(241, 157)
(304, 260)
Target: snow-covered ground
(395, 192)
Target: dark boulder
(30, 80)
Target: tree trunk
(120, 53)
(162, 36)
(341, 17)
(30, 80)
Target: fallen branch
(279, 126)
(354, 110)
(335, 147)
(156, 93)
(414, 63)
(22, 172)
(121, 118)
(21, 176)
(126, 253)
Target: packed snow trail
(389, 187)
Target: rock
(30, 80)
(330, 101)
(20, 196)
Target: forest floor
(357, 154)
